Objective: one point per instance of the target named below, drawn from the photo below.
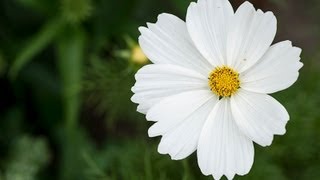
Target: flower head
(224, 81)
(208, 87)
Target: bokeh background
(66, 69)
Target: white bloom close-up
(207, 89)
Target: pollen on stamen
(224, 81)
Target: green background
(66, 70)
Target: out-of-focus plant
(36, 44)
(144, 164)
(73, 11)
(133, 53)
(3, 65)
(76, 11)
(107, 85)
(27, 157)
(64, 30)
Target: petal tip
(161, 149)
(216, 176)
(134, 99)
(148, 117)
(268, 143)
(152, 132)
(133, 89)
(162, 15)
(142, 30)
(248, 5)
(230, 175)
(175, 158)
(299, 50)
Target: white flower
(207, 89)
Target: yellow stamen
(224, 81)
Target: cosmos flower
(207, 89)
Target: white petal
(277, 69)
(157, 81)
(173, 110)
(259, 116)
(223, 149)
(249, 37)
(168, 42)
(182, 140)
(207, 23)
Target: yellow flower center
(224, 81)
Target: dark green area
(65, 111)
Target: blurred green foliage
(27, 156)
(66, 70)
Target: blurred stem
(186, 174)
(70, 55)
(36, 44)
(147, 165)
